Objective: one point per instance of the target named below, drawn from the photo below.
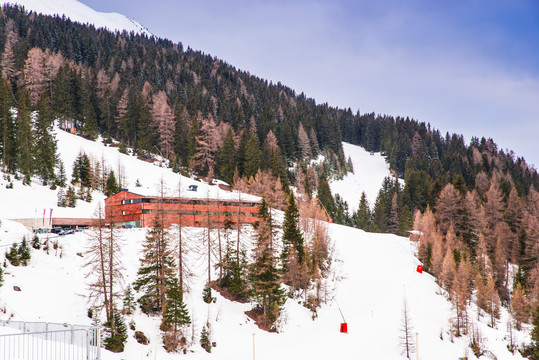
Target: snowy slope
(81, 13)
(369, 173)
(30, 201)
(371, 275)
(369, 293)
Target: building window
(146, 211)
(123, 212)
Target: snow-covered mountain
(371, 276)
(81, 13)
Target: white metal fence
(48, 341)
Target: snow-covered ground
(81, 13)
(369, 173)
(372, 275)
(30, 201)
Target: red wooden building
(133, 210)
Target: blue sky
(469, 67)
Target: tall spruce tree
(156, 269)
(265, 279)
(253, 157)
(227, 158)
(176, 314)
(8, 149)
(46, 151)
(363, 214)
(111, 186)
(292, 235)
(25, 137)
(325, 197)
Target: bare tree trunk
(180, 244)
(219, 240)
(102, 258)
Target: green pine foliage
(129, 303)
(264, 275)
(25, 139)
(363, 214)
(111, 185)
(1, 276)
(325, 197)
(531, 351)
(46, 151)
(13, 255)
(227, 158)
(156, 270)
(116, 334)
(36, 244)
(8, 148)
(176, 314)
(292, 236)
(205, 340)
(24, 252)
(207, 295)
(253, 157)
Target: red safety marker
(344, 328)
(419, 269)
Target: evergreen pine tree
(264, 275)
(36, 244)
(61, 176)
(235, 271)
(1, 276)
(227, 158)
(291, 233)
(8, 149)
(117, 333)
(253, 157)
(71, 197)
(24, 252)
(405, 221)
(176, 314)
(128, 301)
(205, 340)
(146, 137)
(25, 138)
(532, 350)
(379, 216)
(192, 135)
(156, 269)
(111, 186)
(13, 255)
(363, 214)
(46, 151)
(325, 197)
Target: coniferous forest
(476, 206)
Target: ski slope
(369, 173)
(371, 276)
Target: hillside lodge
(128, 209)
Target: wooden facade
(133, 210)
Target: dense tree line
(155, 97)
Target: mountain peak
(78, 12)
